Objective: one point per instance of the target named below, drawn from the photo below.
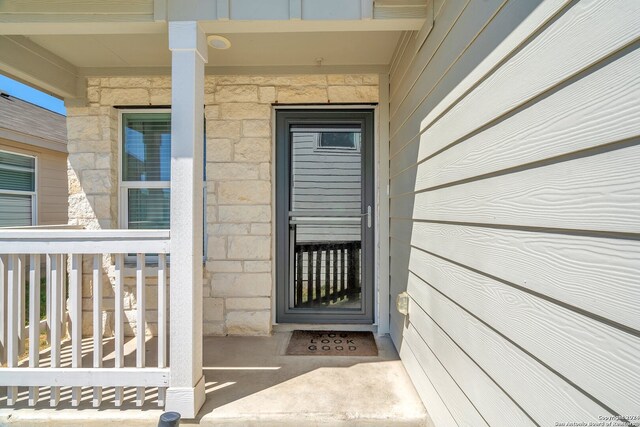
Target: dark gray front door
(324, 209)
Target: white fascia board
(33, 140)
(245, 70)
(278, 12)
(302, 26)
(37, 66)
(29, 28)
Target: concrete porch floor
(249, 381)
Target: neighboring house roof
(24, 122)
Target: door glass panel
(325, 219)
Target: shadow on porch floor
(249, 381)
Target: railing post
(188, 47)
(3, 308)
(12, 324)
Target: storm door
(324, 209)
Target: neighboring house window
(17, 190)
(340, 140)
(146, 170)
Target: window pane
(340, 140)
(148, 208)
(17, 172)
(15, 210)
(147, 147)
(324, 179)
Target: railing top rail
(46, 227)
(36, 233)
(39, 241)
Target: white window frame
(124, 186)
(34, 193)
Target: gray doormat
(332, 343)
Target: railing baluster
(299, 277)
(309, 274)
(34, 321)
(343, 267)
(349, 271)
(334, 295)
(56, 314)
(327, 276)
(357, 273)
(47, 300)
(3, 308)
(97, 323)
(318, 298)
(22, 306)
(63, 295)
(140, 322)
(75, 295)
(347, 263)
(119, 315)
(162, 321)
(354, 257)
(12, 324)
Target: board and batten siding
(515, 210)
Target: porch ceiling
(52, 44)
(247, 49)
(57, 63)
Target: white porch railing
(22, 253)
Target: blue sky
(31, 95)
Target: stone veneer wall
(238, 275)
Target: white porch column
(188, 46)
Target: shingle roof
(25, 118)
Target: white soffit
(109, 50)
(248, 49)
(336, 48)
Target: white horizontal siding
(596, 193)
(470, 379)
(515, 192)
(323, 179)
(598, 109)
(575, 267)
